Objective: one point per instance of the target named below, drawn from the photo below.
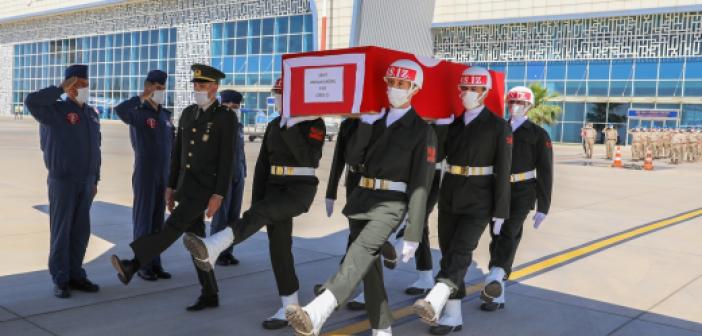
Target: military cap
(156, 76)
(230, 96)
(77, 70)
(205, 73)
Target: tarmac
(619, 254)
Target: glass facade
(118, 64)
(600, 91)
(250, 53)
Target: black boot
(62, 291)
(204, 302)
(147, 275)
(160, 273)
(125, 268)
(491, 306)
(83, 285)
(444, 329)
(227, 259)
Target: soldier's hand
(170, 202)
(408, 249)
(371, 118)
(330, 206)
(497, 226)
(147, 93)
(68, 83)
(213, 205)
(538, 219)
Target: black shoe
(227, 259)
(491, 306)
(414, 291)
(147, 275)
(62, 291)
(160, 273)
(318, 290)
(125, 269)
(355, 306)
(444, 329)
(84, 285)
(389, 255)
(204, 302)
(273, 324)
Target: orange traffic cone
(618, 158)
(648, 163)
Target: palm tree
(543, 113)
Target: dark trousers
(275, 211)
(69, 223)
(458, 237)
(422, 257)
(188, 216)
(148, 211)
(369, 231)
(504, 246)
(231, 208)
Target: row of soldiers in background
(677, 144)
(589, 134)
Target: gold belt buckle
(367, 183)
(290, 170)
(278, 170)
(384, 185)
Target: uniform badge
(316, 134)
(205, 137)
(509, 140)
(431, 154)
(73, 118)
(151, 123)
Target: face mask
(278, 102)
(202, 98)
(159, 96)
(517, 111)
(398, 97)
(82, 96)
(471, 99)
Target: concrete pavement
(650, 285)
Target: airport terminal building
(604, 58)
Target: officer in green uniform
(284, 186)
(396, 152)
(200, 175)
(475, 192)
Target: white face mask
(471, 99)
(202, 98)
(159, 96)
(517, 111)
(398, 97)
(278, 102)
(83, 94)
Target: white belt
(440, 165)
(292, 171)
(468, 171)
(522, 176)
(380, 184)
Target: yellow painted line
(556, 260)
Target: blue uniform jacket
(70, 136)
(151, 133)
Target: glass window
(575, 88)
(620, 88)
(617, 112)
(535, 71)
(691, 115)
(308, 43)
(254, 27)
(622, 69)
(267, 26)
(253, 64)
(573, 111)
(515, 71)
(267, 45)
(693, 88)
(296, 24)
(576, 70)
(597, 88)
(646, 69)
(669, 88)
(252, 79)
(645, 88)
(281, 25)
(217, 31)
(308, 23)
(281, 44)
(240, 64)
(693, 68)
(230, 30)
(596, 112)
(599, 70)
(671, 69)
(295, 43)
(242, 29)
(241, 46)
(556, 71)
(498, 67)
(254, 45)
(571, 132)
(267, 64)
(227, 47)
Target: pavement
(618, 255)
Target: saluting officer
(396, 152)
(231, 208)
(200, 176)
(610, 140)
(474, 192)
(532, 181)
(353, 176)
(70, 140)
(284, 186)
(151, 135)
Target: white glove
(538, 219)
(445, 121)
(292, 121)
(330, 206)
(497, 227)
(408, 249)
(371, 118)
